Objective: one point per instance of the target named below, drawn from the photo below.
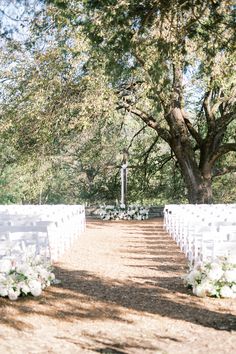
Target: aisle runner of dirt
(121, 292)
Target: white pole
(122, 185)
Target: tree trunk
(198, 184)
(203, 194)
(197, 180)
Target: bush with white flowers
(216, 279)
(26, 277)
(132, 212)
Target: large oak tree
(172, 64)
(169, 64)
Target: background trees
(170, 50)
(92, 77)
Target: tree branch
(224, 149)
(148, 120)
(207, 109)
(226, 119)
(177, 94)
(164, 161)
(223, 171)
(136, 134)
(193, 132)
(147, 152)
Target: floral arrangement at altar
(215, 279)
(26, 277)
(132, 212)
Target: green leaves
(72, 94)
(61, 4)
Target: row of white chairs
(203, 232)
(46, 230)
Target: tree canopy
(92, 78)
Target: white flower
(24, 288)
(213, 279)
(36, 291)
(10, 280)
(43, 273)
(230, 275)
(23, 269)
(37, 259)
(3, 291)
(35, 287)
(13, 295)
(200, 290)
(5, 266)
(209, 287)
(52, 276)
(2, 278)
(193, 277)
(232, 259)
(226, 292)
(233, 288)
(215, 273)
(215, 265)
(30, 276)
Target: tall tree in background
(173, 66)
(54, 114)
(86, 64)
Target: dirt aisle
(121, 292)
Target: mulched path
(121, 292)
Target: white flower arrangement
(215, 279)
(132, 212)
(26, 277)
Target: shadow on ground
(83, 295)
